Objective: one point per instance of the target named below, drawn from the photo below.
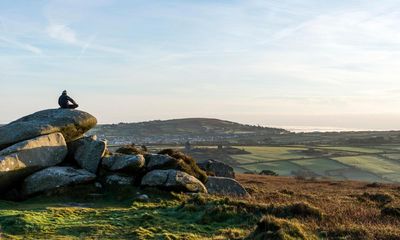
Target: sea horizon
(308, 129)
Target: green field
(262, 154)
(321, 166)
(283, 168)
(353, 149)
(366, 163)
(395, 157)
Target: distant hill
(177, 130)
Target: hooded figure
(66, 102)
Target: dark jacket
(64, 100)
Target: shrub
(224, 212)
(268, 173)
(380, 198)
(279, 229)
(287, 192)
(390, 211)
(131, 149)
(186, 164)
(301, 209)
(373, 185)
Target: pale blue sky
(269, 62)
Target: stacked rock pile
(47, 150)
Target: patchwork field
(366, 163)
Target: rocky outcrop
(124, 163)
(225, 186)
(71, 123)
(174, 180)
(26, 157)
(36, 153)
(53, 178)
(88, 152)
(217, 169)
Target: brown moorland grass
(351, 209)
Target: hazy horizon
(273, 63)
(301, 123)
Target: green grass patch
(161, 218)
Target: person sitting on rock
(66, 102)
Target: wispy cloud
(67, 35)
(86, 46)
(15, 43)
(21, 45)
(61, 32)
(61, 16)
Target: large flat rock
(88, 152)
(71, 123)
(217, 168)
(26, 157)
(55, 177)
(174, 180)
(225, 186)
(124, 163)
(157, 161)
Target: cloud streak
(67, 35)
(21, 45)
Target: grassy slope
(350, 210)
(163, 217)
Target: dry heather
(132, 149)
(280, 208)
(350, 210)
